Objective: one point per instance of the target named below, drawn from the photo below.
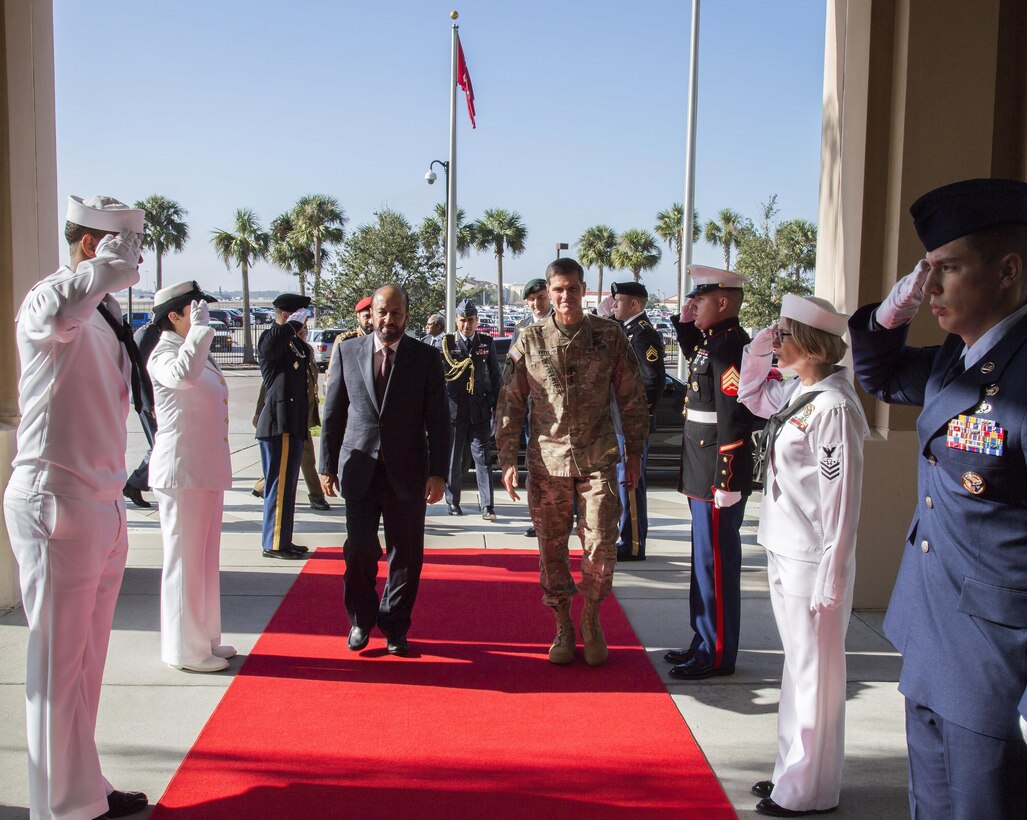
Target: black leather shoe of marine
(676, 656)
(122, 804)
(320, 505)
(694, 670)
(358, 638)
(398, 645)
(298, 548)
(135, 495)
(285, 554)
(770, 808)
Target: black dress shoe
(320, 505)
(285, 554)
(135, 495)
(454, 509)
(298, 548)
(398, 645)
(694, 670)
(358, 638)
(259, 495)
(770, 808)
(122, 804)
(530, 532)
(627, 556)
(678, 656)
(762, 789)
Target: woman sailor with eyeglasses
(810, 510)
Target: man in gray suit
(385, 447)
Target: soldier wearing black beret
(629, 301)
(958, 613)
(282, 422)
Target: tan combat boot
(562, 650)
(592, 634)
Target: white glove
(605, 307)
(903, 302)
(821, 603)
(688, 311)
(722, 499)
(199, 313)
(124, 246)
(1023, 728)
(300, 316)
(762, 343)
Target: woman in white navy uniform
(811, 500)
(190, 469)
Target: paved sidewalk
(150, 714)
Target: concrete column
(917, 94)
(28, 207)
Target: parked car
(140, 318)
(322, 341)
(236, 313)
(226, 317)
(262, 316)
(222, 341)
(666, 331)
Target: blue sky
(581, 113)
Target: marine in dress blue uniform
(472, 385)
(716, 471)
(282, 423)
(647, 345)
(958, 613)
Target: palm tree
(163, 229)
(595, 247)
(318, 220)
(286, 254)
(244, 247)
(637, 251)
(670, 228)
(725, 232)
(500, 230)
(433, 231)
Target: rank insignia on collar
(295, 365)
(991, 390)
(730, 380)
(652, 354)
(973, 483)
(987, 367)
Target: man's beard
(390, 332)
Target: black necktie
(142, 391)
(381, 378)
(955, 372)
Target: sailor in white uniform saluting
(64, 508)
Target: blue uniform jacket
(958, 613)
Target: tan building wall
(917, 94)
(28, 206)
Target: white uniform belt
(701, 416)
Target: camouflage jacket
(571, 383)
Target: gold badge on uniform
(652, 354)
(973, 483)
(295, 365)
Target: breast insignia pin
(973, 483)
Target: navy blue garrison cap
(966, 207)
(466, 308)
(635, 289)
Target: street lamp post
(561, 246)
(430, 178)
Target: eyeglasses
(779, 335)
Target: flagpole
(684, 286)
(451, 209)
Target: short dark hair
(998, 240)
(73, 233)
(565, 266)
(164, 322)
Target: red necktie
(381, 380)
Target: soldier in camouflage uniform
(572, 365)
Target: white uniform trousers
(71, 553)
(811, 717)
(190, 590)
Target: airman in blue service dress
(716, 474)
(472, 385)
(958, 613)
(282, 423)
(647, 345)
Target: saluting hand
(762, 343)
(199, 313)
(901, 305)
(688, 311)
(510, 482)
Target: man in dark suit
(282, 423)
(384, 446)
(958, 613)
(472, 384)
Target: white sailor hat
(177, 296)
(104, 213)
(705, 280)
(815, 312)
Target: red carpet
(474, 724)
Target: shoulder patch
(652, 354)
(730, 380)
(643, 323)
(514, 354)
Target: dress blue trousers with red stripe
(715, 595)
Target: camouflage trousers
(551, 500)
